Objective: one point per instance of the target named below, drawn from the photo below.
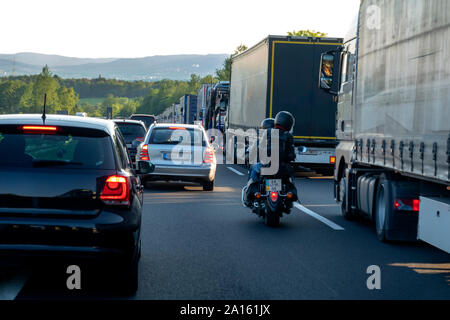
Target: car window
(177, 136)
(122, 151)
(70, 147)
(147, 120)
(132, 130)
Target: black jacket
(285, 148)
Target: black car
(67, 190)
(134, 132)
(146, 118)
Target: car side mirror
(145, 167)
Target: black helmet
(268, 123)
(285, 120)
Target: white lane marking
(9, 289)
(235, 171)
(329, 223)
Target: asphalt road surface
(206, 245)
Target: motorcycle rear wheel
(271, 219)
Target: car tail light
(144, 153)
(39, 129)
(273, 196)
(332, 159)
(116, 190)
(209, 155)
(140, 139)
(407, 204)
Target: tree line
(25, 94)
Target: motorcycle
(273, 198)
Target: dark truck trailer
(188, 104)
(281, 73)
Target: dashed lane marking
(235, 171)
(329, 223)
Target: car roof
(59, 120)
(129, 121)
(142, 115)
(182, 125)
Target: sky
(138, 28)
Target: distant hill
(153, 68)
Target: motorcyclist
(253, 178)
(284, 122)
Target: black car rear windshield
(131, 129)
(147, 120)
(67, 147)
(175, 135)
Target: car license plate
(166, 156)
(273, 185)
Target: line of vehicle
(322, 219)
(235, 171)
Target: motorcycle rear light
(209, 155)
(116, 190)
(332, 159)
(144, 153)
(407, 205)
(273, 196)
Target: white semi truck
(392, 81)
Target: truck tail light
(332, 159)
(407, 205)
(144, 153)
(116, 190)
(209, 155)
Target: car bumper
(183, 173)
(108, 235)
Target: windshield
(177, 136)
(131, 131)
(147, 120)
(64, 149)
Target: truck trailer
(188, 104)
(202, 105)
(392, 81)
(280, 73)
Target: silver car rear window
(176, 135)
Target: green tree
(307, 33)
(11, 92)
(45, 84)
(68, 99)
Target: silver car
(180, 152)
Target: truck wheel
(382, 209)
(342, 196)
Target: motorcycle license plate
(273, 185)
